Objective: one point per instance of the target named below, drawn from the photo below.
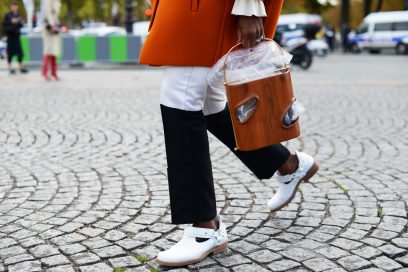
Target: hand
(54, 30)
(14, 21)
(250, 30)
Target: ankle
(211, 224)
(290, 166)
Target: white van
(381, 30)
(294, 22)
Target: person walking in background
(330, 36)
(345, 31)
(12, 24)
(188, 38)
(51, 38)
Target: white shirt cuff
(249, 8)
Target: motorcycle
(298, 47)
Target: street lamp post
(129, 16)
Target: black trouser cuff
(191, 193)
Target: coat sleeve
(249, 8)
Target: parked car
(402, 46)
(99, 31)
(3, 48)
(380, 30)
(294, 22)
(25, 30)
(141, 29)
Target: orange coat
(196, 32)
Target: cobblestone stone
(386, 263)
(392, 251)
(249, 268)
(72, 249)
(367, 252)
(32, 266)
(283, 265)
(332, 252)
(43, 251)
(18, 259)
(127, 261)
(298, 254)
(55, 260)
(85, 258)
(320, 264)
(62, 268)
(353, 263)
(100, 267)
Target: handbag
(263, 111)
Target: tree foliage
(75, 11)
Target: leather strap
(300, 172)
(200, 232)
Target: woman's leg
(53, 60)
(10, 63)
(46, 63)
(192, 196)
(262, 162)
(21, 64)
(191, 187)
(293, 168)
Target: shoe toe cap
(170, 256)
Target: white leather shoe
(189, 251)
(289, 184)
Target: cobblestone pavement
(83, 176)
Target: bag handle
(239, 44)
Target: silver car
(3, 48)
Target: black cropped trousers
(191, 186)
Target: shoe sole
(312, 171)
(214, 251)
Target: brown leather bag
(271, 99)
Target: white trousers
(186, 88)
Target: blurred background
(308, 28)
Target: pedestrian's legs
(9, 63)
(46, 63)
(21, 64)
(190, 177)
(53, 60)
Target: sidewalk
(83, 175)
